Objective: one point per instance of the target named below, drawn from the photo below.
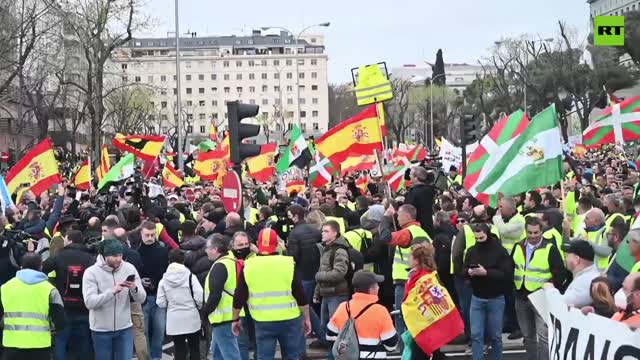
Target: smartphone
(131, 278)
(473, 266)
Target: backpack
(72, 296)
(356, 261)
(347, 346)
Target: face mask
(242, 253)
(620, 299)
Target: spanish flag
(82, 178)
(357, 162)
(170, 177)
(213, 132)
(429, 312)
(261, 167)
(211, 165)
(38, 168)
(362, 182)
(358, 135)
(145, 147)
(105, 163)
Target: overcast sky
(365, 32)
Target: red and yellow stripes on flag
(145, 147)
(82, 178)
(261, 167)
(213, 132)
(211, 165)
(295, 185)
(360, 134)
(357, 162)
(615, 124)
(430, 313)
(170, 177)
(105, 163)
(362, 182)
(38, 168)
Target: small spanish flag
(105, 163)
(38, 168)
(211, 165)
(362, 182)
(213, 132)
(170, 177)
(145, 147)
(82, 178)
(261, 167)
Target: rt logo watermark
(608, 31)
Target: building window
(264, 76)
(190, 128)
(189, 103)
(314, 101)
(238, 63)
(188, 77)
(226, 116)
(164, 117)
(314, 75)
(303, 114)
(214, 116)
(175, 77)
(214, 103)
(277, 101)
(190, 117)
(214, 77)
(202, 128)
(264, 88)
(314, 87)
(163, 104)
(252, 89)
(314, 113)
(214, 90)
(301, 88)
(276, 88)
(314, 61)
(163, 92)
(276, 75)
(252, 101)
(278, 127)
(300, 61)
(202, 116)
(200, 90)
(163, 78)
(225, 63)
(252, 76)
(290, 125)
(289, 75)
(302, 101)
(289, 101)
(303, 126)
(276, 62)
(201, 77)
(252, 63)
(315, 126)
(201, 103)
(301, 75)
(188, 90)
(289, 62)
(164, 128)
(239, 89)
(226, 76)
(124, 66)
(289, 88)
(238, 76)
(265, 101)
(227, 89)
(138, 79)
(175, 91)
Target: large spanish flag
(358, 135)
(145, 147)
(38, 168)
(429, 312)
(105, 163)
(261, 167)
(211, 165)
(170, 177)
(82, 178)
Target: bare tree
(396, 110)
(128, 109)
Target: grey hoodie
(109, 311)
(175, 295)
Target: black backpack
(72, 296)
(356, 261)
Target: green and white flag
(120, 171)
(533, 160)
(297, 152)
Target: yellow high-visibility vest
(469, 241)
(597, 237)
(538, 272)
(269, 281)
(508, 241)
(224, 310)
(555, 237)
(635, 267)
(399, 271)
(373, 86)
(26, 314)
(456, 180)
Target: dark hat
(66, 219)
(111, 247)
(363, 280)
(581, 248)
(212, 217)
(453, 168)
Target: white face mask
(620, 299)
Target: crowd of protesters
(117, 273)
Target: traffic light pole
(463, 146)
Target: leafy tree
(632, 36)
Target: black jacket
(421, 196)
(442, 239)
(69, 265)
(495, 259)
(302, 246)
(196, 257)
(155, 260)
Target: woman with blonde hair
(315, 218)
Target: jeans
(463, 289)
(224, 344)
(77, 328)
(486, 315)
(155, 319)
(113, 345)
(180, 346)
(400, 326)
(533, 328)
(309, 287)
(284, 332)
(243, 338)
(328, 308)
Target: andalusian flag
(534, 159)
(211, 165)
(490, 150)
(297, 152)
(38, 168)
(358, 135)
(321, 171)
(395, 177)
(617, 124)
(170, 177)
(123, 170)
(105, 163)
(82, 178)
(207, 145)
(145, 147)
(430, 313)
(261, 166)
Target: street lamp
(265, 28)
(178, 104)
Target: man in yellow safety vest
(29, 301)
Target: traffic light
(470, 131)
(238, 131)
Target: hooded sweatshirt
(109, 311)
(182, 302)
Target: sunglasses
(461, 221)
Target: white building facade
(258, 69)
(612, 7)
(458, 76)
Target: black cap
(453, 168)
(581, 248)
(66, 219)
(363, 280)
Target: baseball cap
(267, 241)
(580, 248)
(363, 280)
